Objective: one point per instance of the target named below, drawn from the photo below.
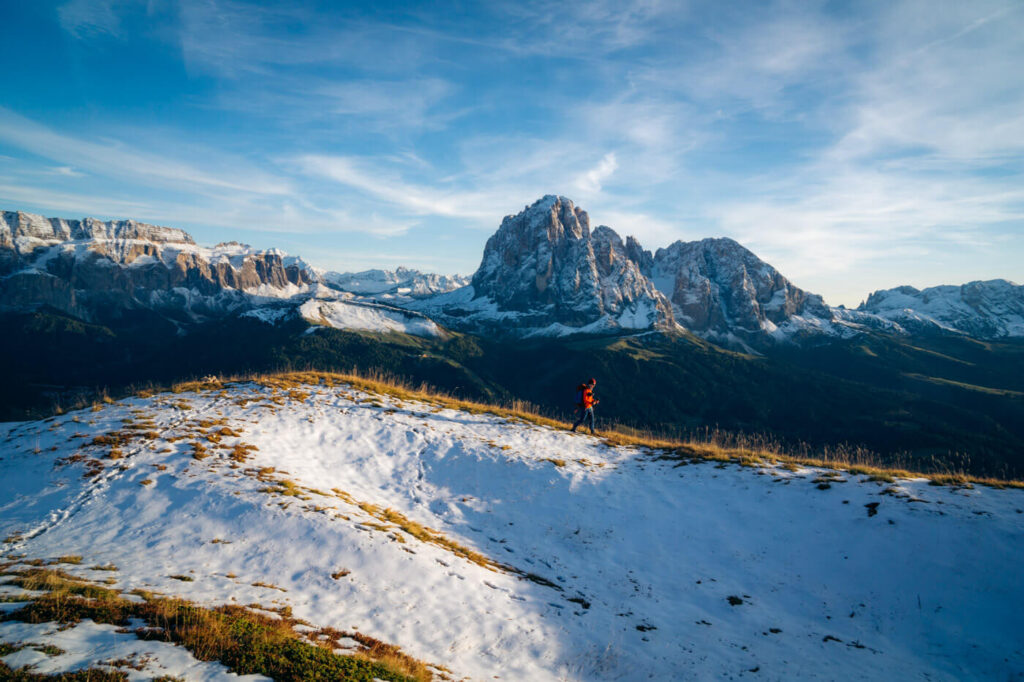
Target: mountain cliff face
(549, 271)
(988, 310)
(546, 268)
(721, 289)
(97, 270)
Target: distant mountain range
(936, 376)
(544, 273)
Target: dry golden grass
(196, 386)
(208, 423)
(269, 586)
(247, 641)
(199, 451)
(240, 451)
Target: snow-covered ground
(601, 562)
(367, 317)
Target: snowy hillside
(501, 548)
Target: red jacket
(588, 396)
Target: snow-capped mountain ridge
(983, 309)
(544, 272)
(96, 270)
(19, 229)
(548, 270)
(391, 283)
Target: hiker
(585, 404)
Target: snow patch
(368, 317)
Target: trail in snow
(98, 483)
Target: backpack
(579, 393)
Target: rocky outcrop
(546, 266)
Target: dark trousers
(586, 415)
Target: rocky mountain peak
(639, 255)
(545, 262)
(532, 239)
(719, 287)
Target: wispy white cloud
(828, 138)
(584, 28)
(388, 186)
(66, 171)
(753, 56)
(947, 87)
(251, 214)
(590, 181)
(115, 158)
(86, 18)
(391, 106)
(827, 230)
(235, 39)
(16, 194)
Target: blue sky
(855, 146)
